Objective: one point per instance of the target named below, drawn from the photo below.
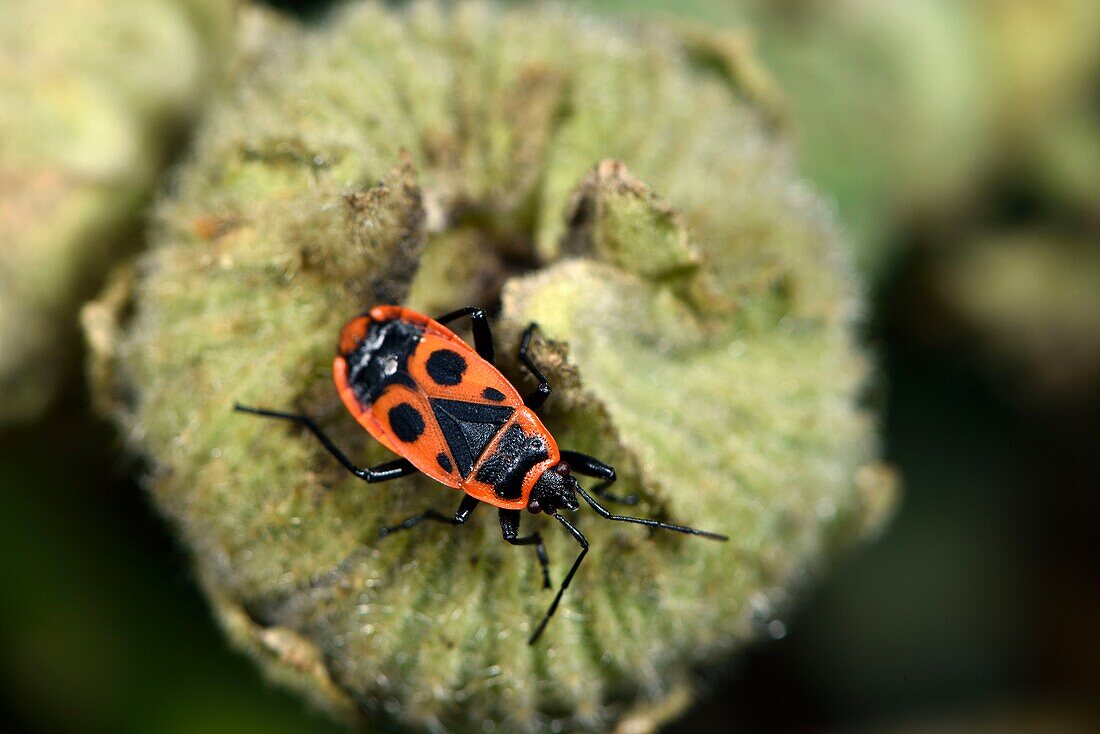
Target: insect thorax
(508, 463)
(381, 357)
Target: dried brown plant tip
(696, 331)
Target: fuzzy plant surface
(891, 102)
(96, 94)
(696, 314)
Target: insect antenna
(649, 522)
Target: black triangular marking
(468, 428)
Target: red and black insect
(448, 412)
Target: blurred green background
(961, 143)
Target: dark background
(979, 608)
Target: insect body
(444, 408)
(426, 395)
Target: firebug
(449, 413)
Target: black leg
(593, 467)
(535, 400)
(605, 514)
(509, 527)
(483, 337)
(568, 577)
(462, 514)
(380, 473)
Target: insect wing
(402, 419)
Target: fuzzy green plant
(696, 316)
(894, 108)
(891, 102)
(96, 94)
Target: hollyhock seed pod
(696, 319)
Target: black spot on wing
(515, 454)
(491, 393)
(406, 422)
(446, 366)
(468, 428)
(444, 462)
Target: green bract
(696, 328)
